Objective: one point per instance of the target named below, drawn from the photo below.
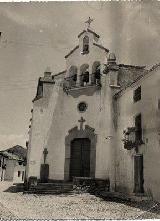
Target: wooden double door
(80, 158)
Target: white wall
(77, 58)
(17, 168)
(51, 126)
(9, 173)
(126, 111)
(56, 113)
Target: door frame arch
(74, 133)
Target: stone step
(50, 188)
(53, 184)
(46, 191)
(54, 187)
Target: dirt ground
(71, 206)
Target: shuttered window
(138, 127)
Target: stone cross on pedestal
(81, 121)
(88, 22)
(45, 153)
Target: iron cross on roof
(88, 22)
(81, 121)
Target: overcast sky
(37, 35)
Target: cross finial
(81, 121)
(45, 152)
(88, 22)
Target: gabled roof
(16, 153)
(154, 67)
(18, 150)
(100, 46)
(72, 51)
(88, 31)
(128, 75)
(131, 66)
(9, 155)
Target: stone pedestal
(44, 173)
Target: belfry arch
(84, 74)
(75, 134)
(86, 45)
(73, 75)
(96, 75)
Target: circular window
(82, 107)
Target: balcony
(131, 140)
(83, 83)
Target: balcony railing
(84, 81)
(130, 140)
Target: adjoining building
(97, 119)
(12, 164)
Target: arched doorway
(80, 158)
(80, 145)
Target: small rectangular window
(137, 94)
(19, 173)
(138, 127)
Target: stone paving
(71, 206)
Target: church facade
(97, 119)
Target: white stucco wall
(56, 113)
(9, 172)
(16, 178)
(126, 111)
(60, 114)
(41, 120)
